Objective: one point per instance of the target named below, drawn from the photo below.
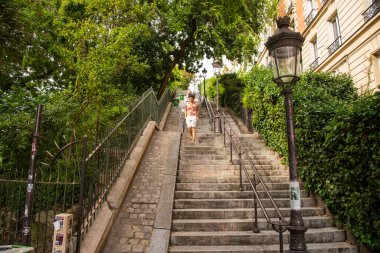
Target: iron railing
(236, 145)
(211, 114)
(335, 45)
(372, 10)
(310, 17)
(70, 181)
(314, 64)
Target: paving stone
(134, 225)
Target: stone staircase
(211, 214)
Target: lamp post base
(297, 231)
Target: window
(377, 66)
(310, 12)
(314, 47)
(336, 37)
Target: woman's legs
(193, 135)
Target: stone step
(188, 146)
(235, 172)
(235, 203)
(223, 161)
(312, 235)
(224, 151)
(266, 179)
(335, 247)
(240, 213)
(227, 186)
(242, 224)
(230, 167)
(204, 155)
(233, 194)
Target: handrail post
(81, 195)
(255, 226)
(231, 146)
(224, 130)
(281, 240)
(240, 170)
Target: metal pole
(81, 195)
(255, 226)
(296, 226)
(240, 170)
(31, 179)
(217, 117)
(204, 90)
(230, 146)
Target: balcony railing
(310, 17)
(314, 64)
(335, 45)
(372, 10)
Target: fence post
(31, 180)
(81, 194)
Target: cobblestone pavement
(134, 225)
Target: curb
(159, 241)
(96, 236)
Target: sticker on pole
(295, 196)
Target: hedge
(338, 142)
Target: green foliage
(180, 79)
(233, 88)
(338, 142)
(263, 96)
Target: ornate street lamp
(285, 54)
(204, 72)
(217, 65)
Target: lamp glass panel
(286, 63)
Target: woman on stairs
(191, 115)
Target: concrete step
(242, 224)
(240, 213)
(233, 194)
(188, 146)
(223, 161)
(227, 186)
(235, 203)
(235, 172)
(335, 247)
(266, 179)
(202, 156)
(223, 151)
(230, 167)
(312, 235)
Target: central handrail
(211, 114)
(279, 226)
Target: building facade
(341, 36)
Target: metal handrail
(211, 114)
(279, 226)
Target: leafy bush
(338, 142)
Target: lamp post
(200, 87)
(204, 72)
(285, 54)
(217, 65)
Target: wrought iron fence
(372, 10)
(335, 45)
(59, 179)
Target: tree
(191, 29)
